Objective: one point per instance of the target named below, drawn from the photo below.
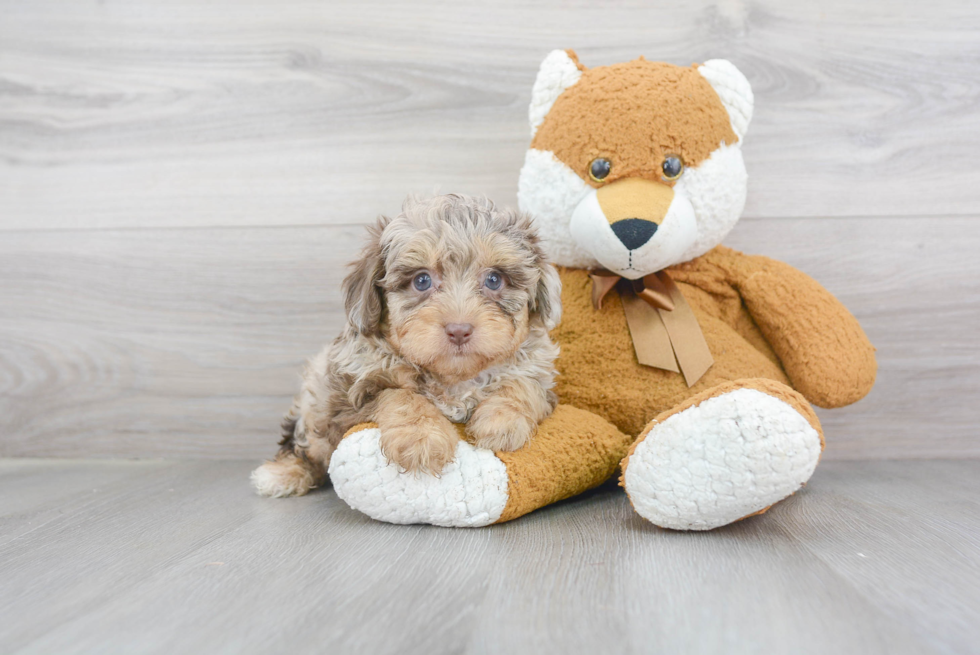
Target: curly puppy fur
(448, 312)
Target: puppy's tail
(292, 472)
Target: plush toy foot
(725, 454)
(573, 450)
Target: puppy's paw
(498, 425)
(425, 445)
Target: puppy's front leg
(414, 434)
(508, 419)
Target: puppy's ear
(363, 296)
(547, 298)
(545, 301)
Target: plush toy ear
(559, 70)
(734, 91)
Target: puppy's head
(454, 284)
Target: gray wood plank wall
(181, 184)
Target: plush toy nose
(635, 207)
(634, 232)
(459, 333)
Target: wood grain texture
(189, 343)
(137, 114)
(872, 557)
(153, 342)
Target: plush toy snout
(635, 208)
(635, 226)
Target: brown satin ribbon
(664, 329)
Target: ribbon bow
(665, 331)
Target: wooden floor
(165, 557)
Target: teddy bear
(689, 368)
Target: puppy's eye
(672, 167)
(493, 281)
(422, 282)
(599, 169)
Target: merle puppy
(448, 312)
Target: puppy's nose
(459, 333)
(634, 232)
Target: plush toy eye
(599, 169)
(422, 282)
(673, 167)
(493, 281)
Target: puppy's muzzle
(459, 333)
(635, 208)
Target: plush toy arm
(821, 345)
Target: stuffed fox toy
(689, 367)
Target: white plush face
(636, 221)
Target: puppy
(448, 312)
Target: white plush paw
(471, 491)
(724, 459)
